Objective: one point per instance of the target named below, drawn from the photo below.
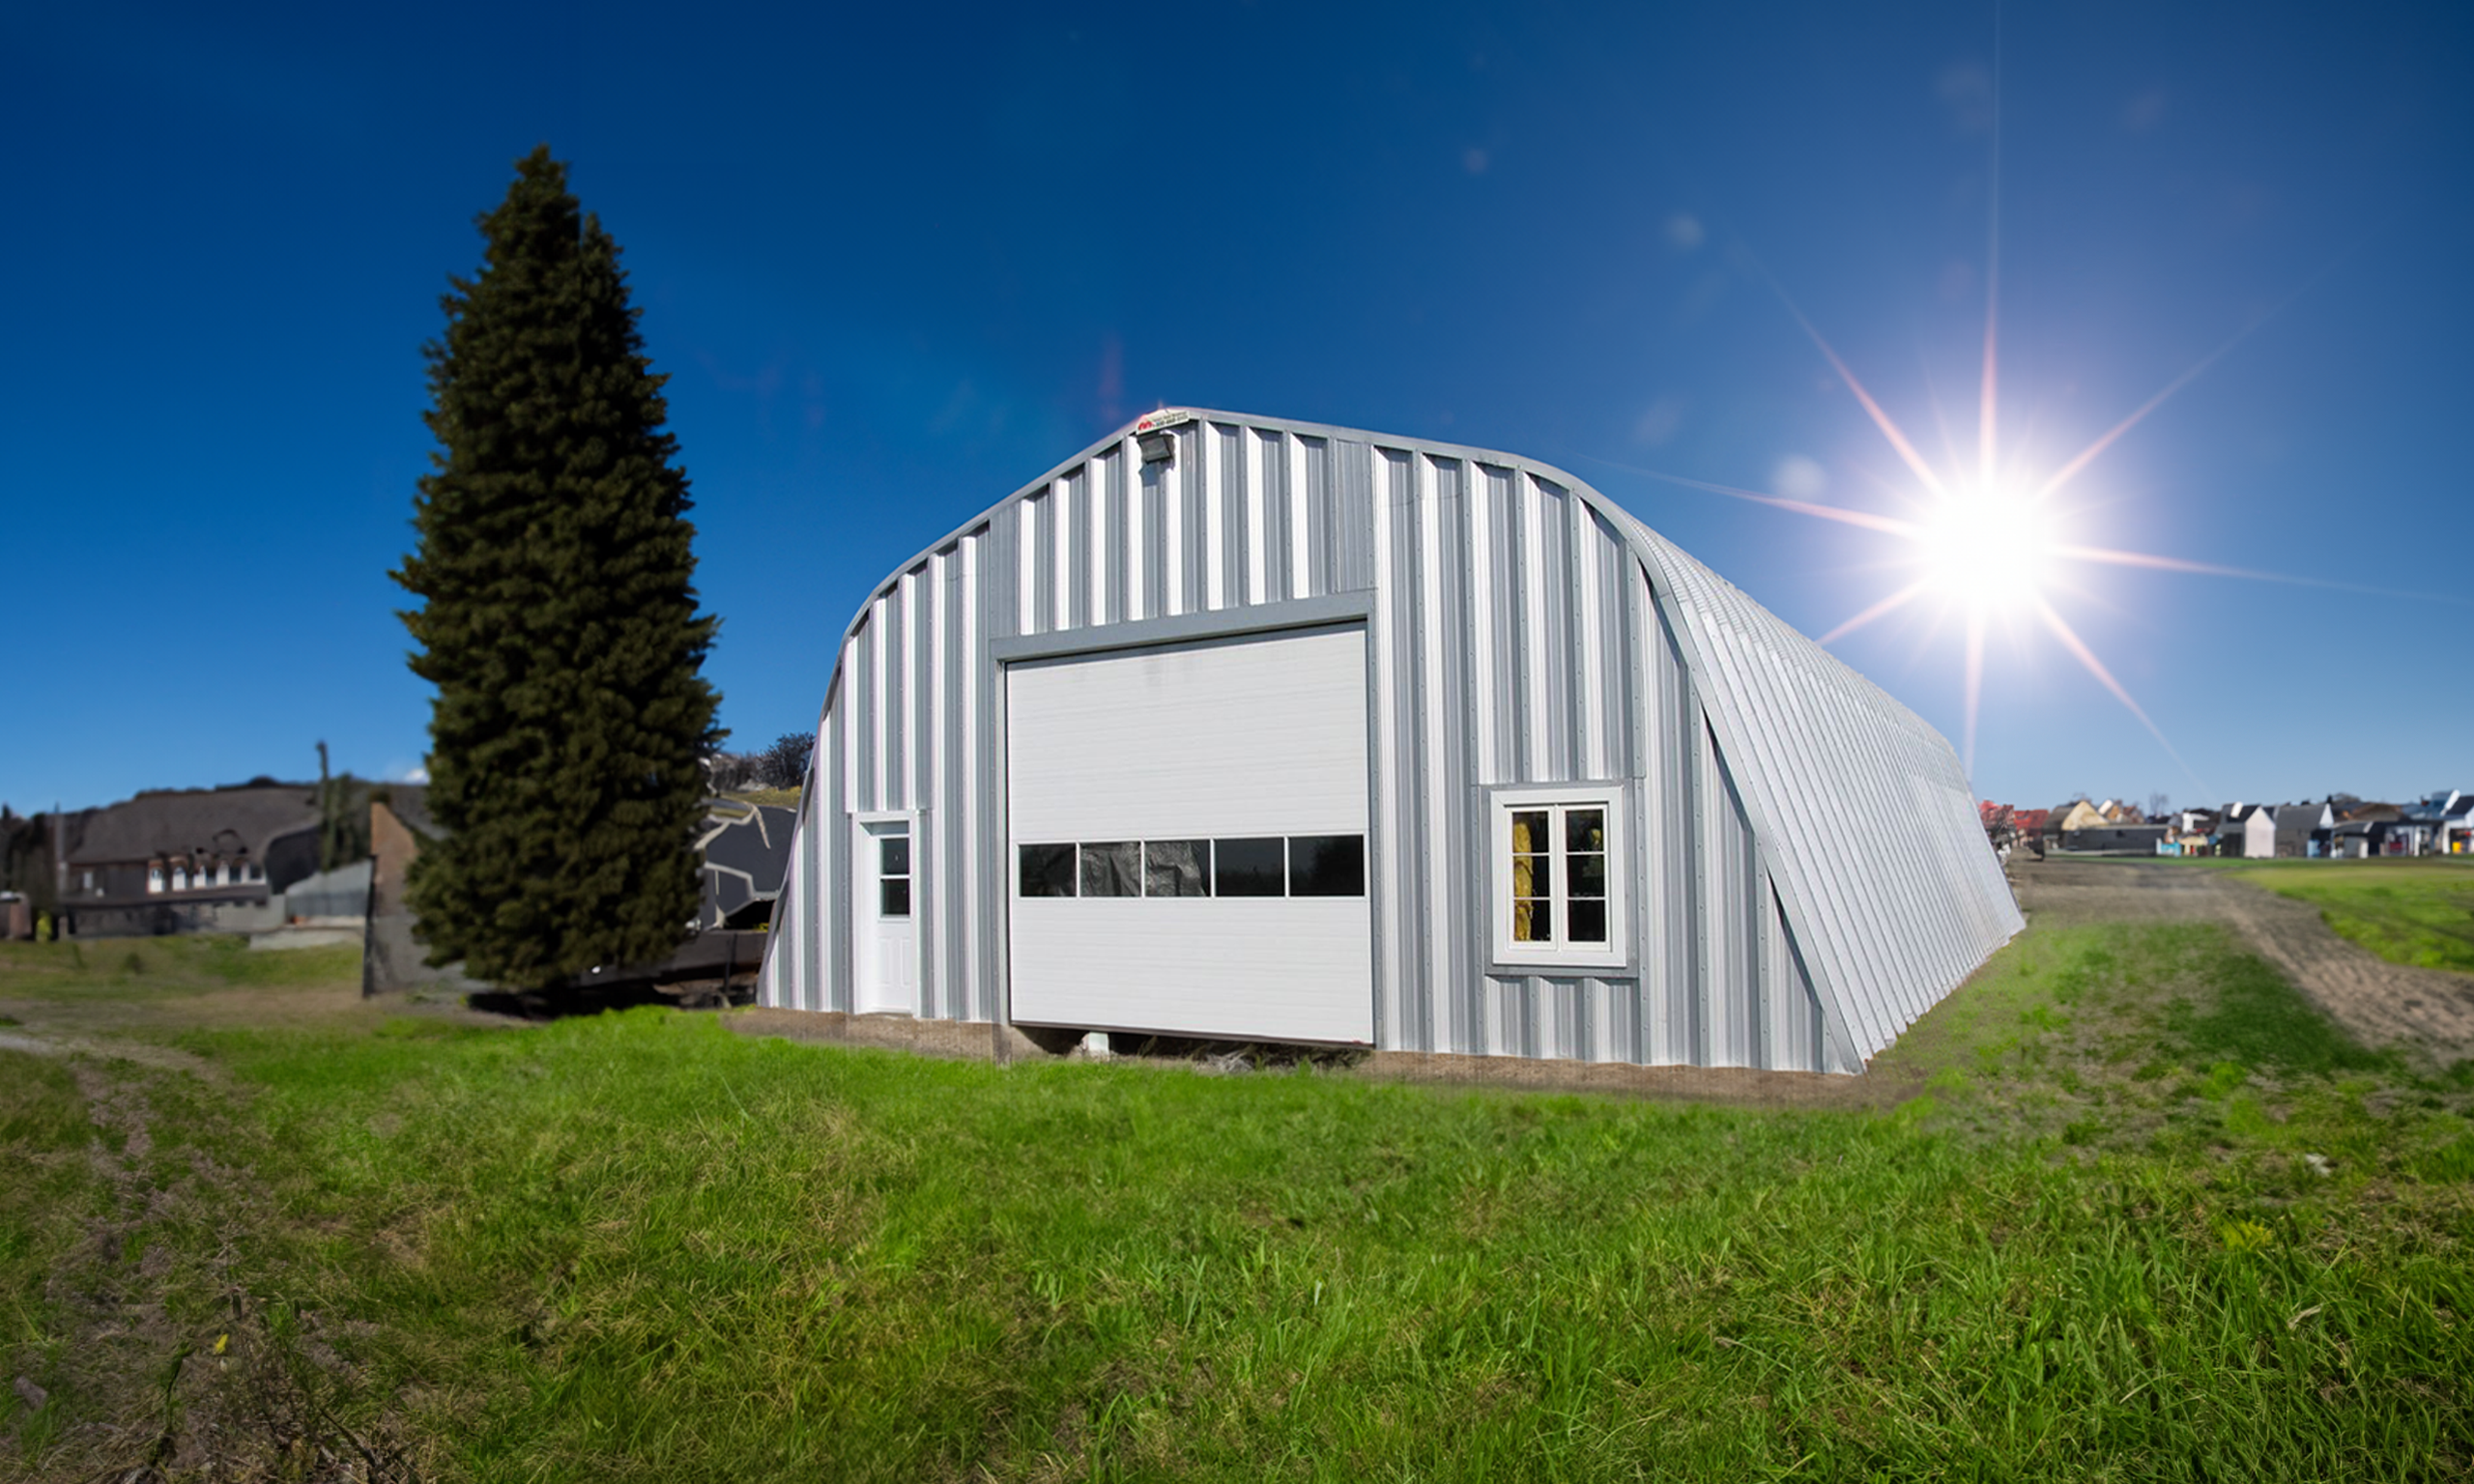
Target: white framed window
(1556, 875)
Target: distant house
(2346, 828)
(2190, 832)
(2067, 819)
(185, 860)
(2028, 826)
(2404, 838)
(2115, 840)
(2447, 822)
(2008, 827)
(2303, 830)
(2109, 828)
(2248, 831)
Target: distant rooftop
(238, 819)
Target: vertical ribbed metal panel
(893, 755)
(1792, 1014)
(1547, 573)
(1113, 525)
(1350, 517)
(1401, 1021)
(1159, 503)
(1732, 933)
(1271, 453)
(864, 655)
(1034, 541)
(1522, 630)
(934, 779)
(990, 569)
(1194, 536)
(1455, 814)
(911, 747)
(1241, 517)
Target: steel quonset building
(1235, 727)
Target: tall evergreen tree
(559, 622)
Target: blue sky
(899, 261)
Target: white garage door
(1188, 830)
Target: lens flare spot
(1799, 479)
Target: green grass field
(641, 1246)
(2408, 911)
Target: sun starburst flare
(1992, 546)
(1989, 549)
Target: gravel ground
(2428, 1012)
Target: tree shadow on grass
(573, 1000)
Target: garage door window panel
(1048, 871)
(1251, 867)
(1112, 868)
(1327, 866)
(1176, 868)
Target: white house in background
(2247, 830)
(2448, 818)
(1237, 728)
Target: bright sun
(1985, 549)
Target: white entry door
(886, 946)
(1188, 828)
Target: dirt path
(172, 1366)
(2427, 1012)
(42, 1041)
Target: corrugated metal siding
(1889, 918)
(1521, 631)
